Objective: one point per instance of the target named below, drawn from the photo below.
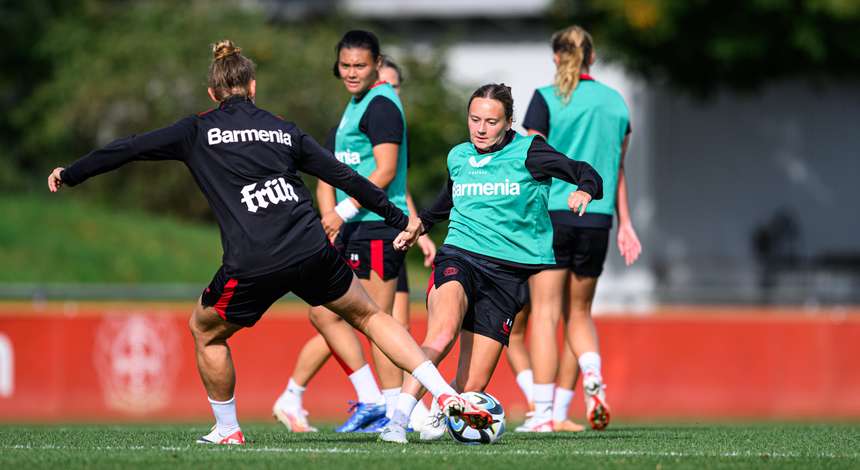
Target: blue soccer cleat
(363, 414)
(375, 426)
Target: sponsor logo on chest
(506, 188)
(273, 192)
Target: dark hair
(230, 72)
(499, 92)
(356, 39)
(389, 63)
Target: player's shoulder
(605, 90)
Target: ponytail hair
(574, 47)
(230, 73)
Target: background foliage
(702, 45)
(95, 70)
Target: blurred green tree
(118, 68)
(702, 45)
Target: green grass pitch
(621, 446)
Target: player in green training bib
(589, 121)
(288, 408)
(371, 139)
(499, 234)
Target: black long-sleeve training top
(542, 161)
(246, 162)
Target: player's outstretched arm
(168, 143)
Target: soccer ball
(462, 433)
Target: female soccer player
(587, 120)
(288, 408)
(245, 159)
(499, 234)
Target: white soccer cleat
(214, 437)
(535, 423)
(433, 427)
(596, 409)
(393, 432)
(418, 416)
(294, 420)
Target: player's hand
(428, 248)
(54, 180)
(410, 235)
(628, 243)
(331, 223)
(578, 200)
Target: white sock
(391, 395)
(403, 409)
(292, 396)
(432, 380)
(525, 380)
(590, 363)
(543, 395)
(563, 397)
(225, 416)
(365, 386)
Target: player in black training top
(246, 162)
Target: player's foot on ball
(567, 426)
(596, 409)
(362, 415)
(456, 405)
(393, 432)
(214, 437)
(294, 420)
(535, 423)
(434, 425)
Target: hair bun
(224, 48)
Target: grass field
(621, 446)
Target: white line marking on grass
(446, 451)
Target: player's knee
(320, 318)
(580, 310)
(441, 340)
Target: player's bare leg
(546, 288)
(395, 342)
(479, 356)
(446, 306)
(390, 376)
(518, 355)
(288, 409)
(347, 349)
(419, 413)
(568, 374)
(215, 365)
(583, 341)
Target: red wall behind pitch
(677, 363)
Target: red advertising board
(118, 362)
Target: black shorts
(403, 279)
(367, 246)
(495, 292)
(580, 249)
(319, 279)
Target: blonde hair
(573, 46)
(230, 73)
